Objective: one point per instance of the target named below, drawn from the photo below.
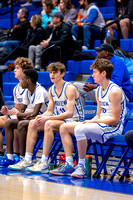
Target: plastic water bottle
(108, 33)
(88, 163)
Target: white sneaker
(84, 48)
(80, 172)
(26, 4)
(39, 167)
(23, 164)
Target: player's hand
(4, 110)
(86, 121)
(89, 87)
(40, 120)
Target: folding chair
(118, 140)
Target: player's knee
(32, 124)
(79, 133)
(8, 124)
(21, 125)
(48, 125)
(62, 129)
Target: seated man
(35, 101)
(18, 33)
(64, 106)
(56, 47)
(89, 23)
(108, 122)
(21, 64)
(120, 76)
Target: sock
(44, 158)
(82, 162)
(10, 156)
(69, 160)
(28, 157)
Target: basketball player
(108, 122)
(21, 64)
(64, 106)
(35, 102)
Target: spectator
(120, 76)
(108, 122)
(18, 33)
(124, 16)
(48, 9)
(89, 23)
(34, 37)
(127, 59)
(69, 12)
(35, 102)
(129, 138)
(56, 47)
(64, 106)
(21, 64)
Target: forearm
(107, 121)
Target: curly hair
(24, 63)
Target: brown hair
(57, 66)
(102, 64)
(37, 20)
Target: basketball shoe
(80, 172)
(39, 167)
(21, 165)
(65, 170)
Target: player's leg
(66, 130)
(51, 126)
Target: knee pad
(79, 132)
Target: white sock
(69, 160)
(44, 158)
(82, 162)
(28, 157)
(10, 156)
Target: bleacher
(74, 68)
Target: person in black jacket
(56, 47)
(34, 36)
(17, 34)
(124, 16)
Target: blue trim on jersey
(107, 90)
(51, 90)
(61, 90)
(110, 131)
(16, 89)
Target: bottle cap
(88, 156)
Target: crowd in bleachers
(54, 32)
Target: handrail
(10, 11)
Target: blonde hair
(36, 20)
(24, 63)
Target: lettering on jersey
(60, 103)
(104, 103)
(103, 110)
(20, 100)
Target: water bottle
(88, 163)
(108, 33)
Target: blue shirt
(120, 76)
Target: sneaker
(21, 165)
(80, 172)
(6, 162)
(65, 170)
(39, 167)
(84, 48)
(1, 157)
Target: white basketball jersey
(18, 93)
(61, 104)
(105, 103)
(40, 95)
